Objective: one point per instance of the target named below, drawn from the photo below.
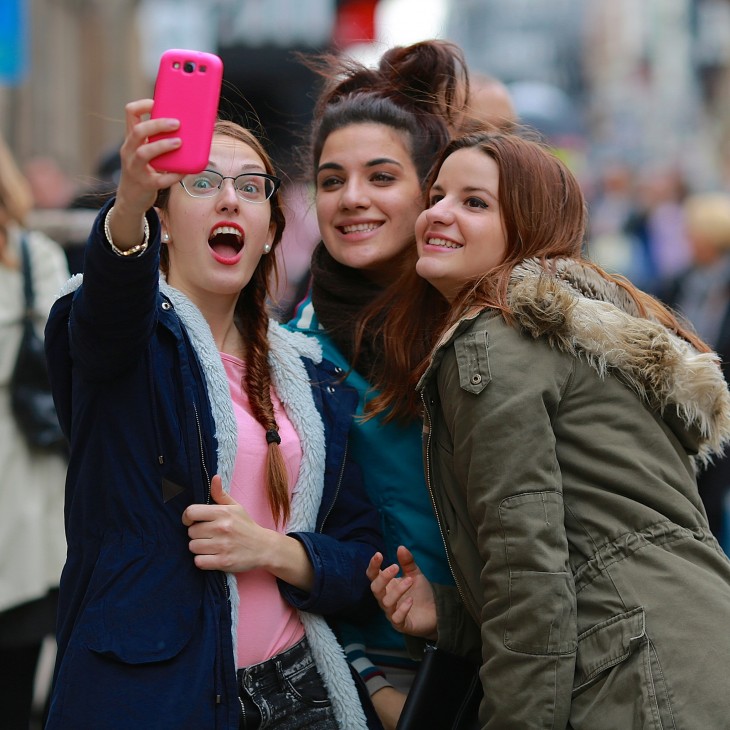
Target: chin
(428, 270)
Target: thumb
(407, 562)
(217, 494)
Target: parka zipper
(202, 452)
(223, 577)
(339, 484)
(427, 470)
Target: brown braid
(253, 321)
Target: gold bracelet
(135, 250)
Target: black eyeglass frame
(275, 182)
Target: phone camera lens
(189, 67)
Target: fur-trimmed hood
(581, 313)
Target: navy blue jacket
(144, 637)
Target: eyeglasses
(253, 187)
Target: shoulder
(488, 349)
(502, 339)
(287, 342)
(305, 321)
(41, 243)
(305, 318)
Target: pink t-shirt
(267, 624)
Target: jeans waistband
(275, 669)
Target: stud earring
(165, 237)
(267, 248)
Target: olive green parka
(561, 452)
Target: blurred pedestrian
(32, 544)
(701, 294)
(376, 132)
(618, 236)
(490, 104)
(565, 414)
(51, 186)
(213, 515)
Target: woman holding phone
(566, 415)
(212, 515)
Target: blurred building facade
(647, 79)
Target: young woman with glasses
(212, 514)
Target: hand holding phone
(188, 89)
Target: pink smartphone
(187, 88)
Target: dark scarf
(339, 296)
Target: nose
(227, 199)
(354, 195)
(440, 212)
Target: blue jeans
(286, 693)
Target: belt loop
(280, 675)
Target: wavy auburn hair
(544, 217)
(251, 317)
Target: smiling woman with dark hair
(375, 135)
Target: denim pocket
(306, 686)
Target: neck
(219, 314)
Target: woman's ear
(163, 225)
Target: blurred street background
(634, 93)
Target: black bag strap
(27, 277)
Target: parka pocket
(542, 604)
(618, 678)
(148, 604)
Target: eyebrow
(370, 163)
(250, 167)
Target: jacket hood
(585, 315)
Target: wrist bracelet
(135, 250)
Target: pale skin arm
(388, 703)
(139, 181)
(224, 537)
(408, 600)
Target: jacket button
(339, 370)
(330, 389)
(166, 305)
(476, 378)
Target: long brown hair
(544, 217)
(251, 317)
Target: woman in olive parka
(566, 414)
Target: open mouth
(226, 242)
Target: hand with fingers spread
(223, 536)
(407, 600)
